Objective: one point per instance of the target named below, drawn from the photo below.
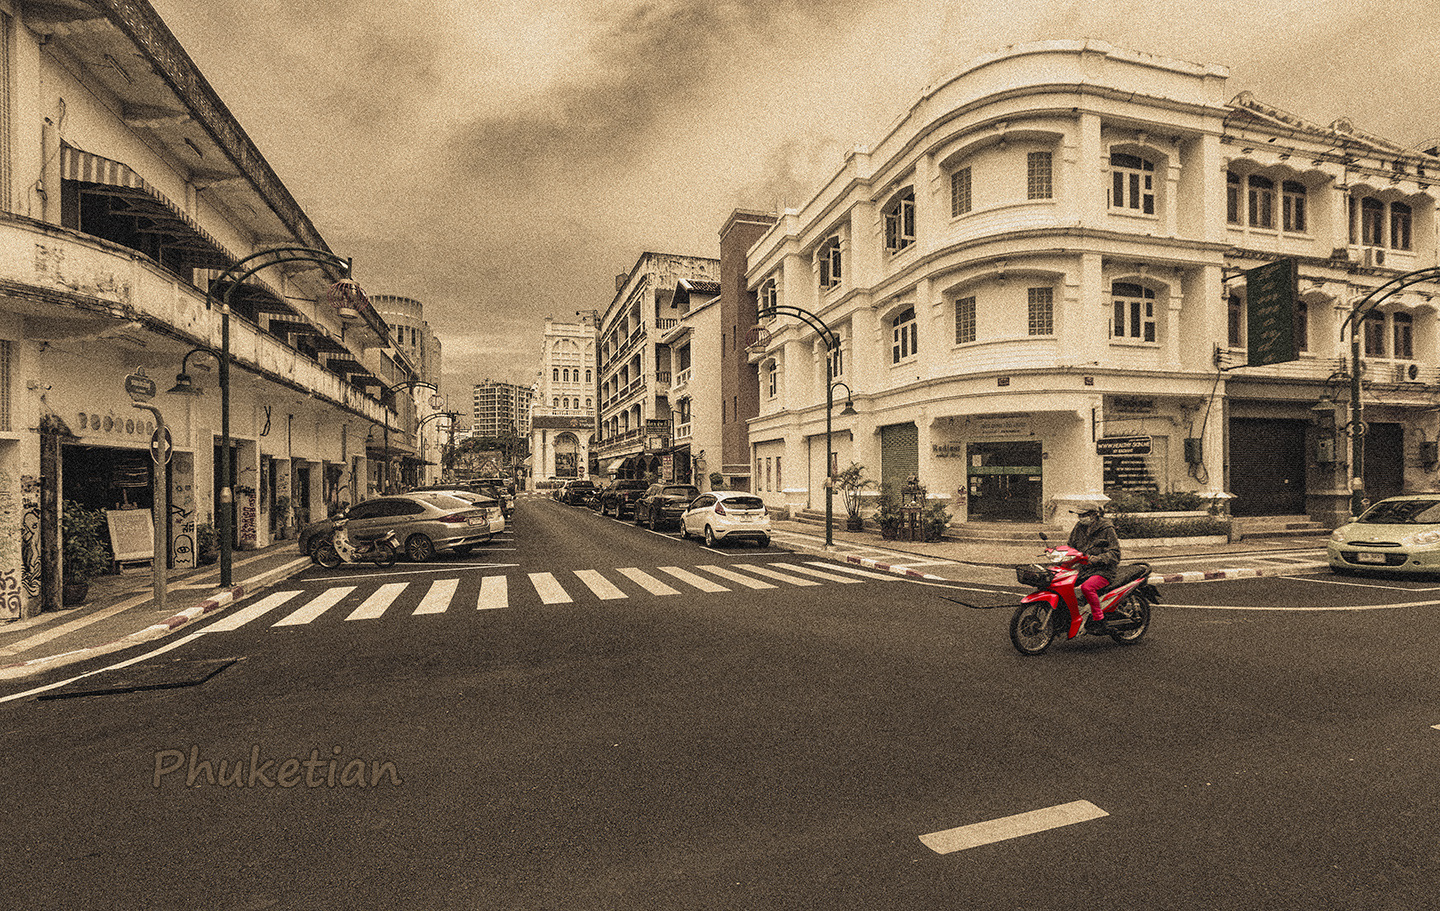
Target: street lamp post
(389, 401)
(1355, 321)
(832, 344)
(236, 276)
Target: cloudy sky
(502, 160)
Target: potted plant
(933, 521)
(888, 515)
(207, 545)
(850, 483)
(86, 553)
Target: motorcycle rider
(1094, 536)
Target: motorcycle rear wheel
(327, 556)
(1133, 609)
(1031, 629)
(384, 554)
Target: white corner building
(1036, 277)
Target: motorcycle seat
(1127, 573)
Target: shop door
(1005, 481)
(1267, 467)
(1384, 461)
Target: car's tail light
(456, 518)
(720, 509)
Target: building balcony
(683, 431)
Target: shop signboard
(1271, 313)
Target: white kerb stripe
(494, 593)
(811, 571)
(783, 577)
(689, 578)
(747, 581)
(549, 589)
(646, 581)
(325, 601)
(438, 597)
(601, 586)
(380, 599)
(245, 615)
(984, 833)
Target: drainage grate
(158, 676)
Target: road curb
(215, 602)
(1221, 574)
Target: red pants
(1090, 588)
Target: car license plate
(475, 520)
(1369, 558)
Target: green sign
(1272, 313)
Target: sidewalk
(121, 612)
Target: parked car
(726, 515)
(426, 522)
(1399, 534)
(619, 496)
(500, 489)
(577, 491)
(663, 504)
(500, 516)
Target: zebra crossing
(299, 607)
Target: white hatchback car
(726, 515)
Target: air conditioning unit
(1407, 373)
(1374, 256)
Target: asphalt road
(632, 722)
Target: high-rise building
(500, 409)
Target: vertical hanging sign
(1272, 313)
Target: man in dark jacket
(1094, 536)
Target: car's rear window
(743, 503)
(690, 492)
(1404, 512)
(443, 500)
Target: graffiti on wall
(182, 515)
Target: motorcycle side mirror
(1044, 538)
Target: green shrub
(933, 520)
(1136, 527)
(84, 533)
(1166, 501)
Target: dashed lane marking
(985, 833)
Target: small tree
(86, 553)
(851, 482)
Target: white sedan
(724, 515)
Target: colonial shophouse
(562, 422)
(126, 190)
(636, 431)
(1036, 278)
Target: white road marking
(747, 581)
(828, 577)
(603, 588)
(138, 658)
(783, 577)
(984, 833)
(437, 599)
(689, 578)
(245, 615)
(1311, 609)
(380, 599)
(494, 593)
(41, 638)
(838, 567)
(549, 589)
(646, 581)
(323, 602)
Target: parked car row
(722, 515)
(425, 522)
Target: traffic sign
(140, 387)
(161, 446)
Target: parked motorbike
(1057, 609)
(340, 549)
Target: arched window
(900, 221)
(565, 375)
(829, 259)
(554, 374)
(1134, 312)
(904, 336)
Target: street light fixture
(184, 384)
(832, 344)
(236, 276)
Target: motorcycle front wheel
(384, 554)
(1031, 631)
(1133, 617)
(327, 556)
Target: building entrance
(1005, 481)
(1267, 467)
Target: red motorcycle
(1056, 608)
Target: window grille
(1042, 311)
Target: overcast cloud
(501, 161)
